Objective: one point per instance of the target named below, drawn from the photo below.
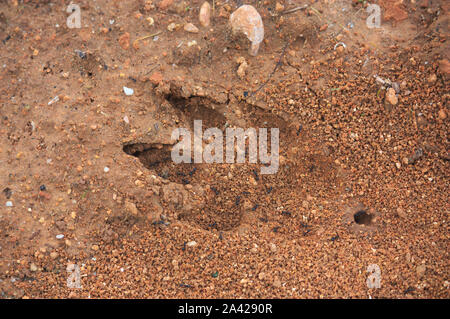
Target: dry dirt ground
(87, 185)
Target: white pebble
(9, 204)
(54, 100)
(191, 243)
(126, 120)
(59, 236)
(106, 169)
(191, 43)
(128, 91)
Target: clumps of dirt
(394, 10)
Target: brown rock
(323, 27)
(391, 97)
(432, 78)
(277, 283)
(420, 270)
(340, 49)
(394, 10)
(401, 212)
(444, 66)
(131, 208)
(124, 41)
(442, 114)
(179, 7)
(164, 4)
(44, 194)
(156, 78)
(242, 69)
(279, 7)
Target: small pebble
(191, 43)
(279, 7)
(420, 270)
(273, 247)
(432, 78)
(391, 97)
(191, 243)
(401, 212)
(189, 27)
(33, 267)
(205, 14)
(277, 283)
(171, 27)
(128, 91)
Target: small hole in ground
(361, 217)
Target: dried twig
(294, 9)
(288, 11)
(273, 72)
(148, 36)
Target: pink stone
(205, 14)
(248, 21)
(189, 27)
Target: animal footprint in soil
(248, 21)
